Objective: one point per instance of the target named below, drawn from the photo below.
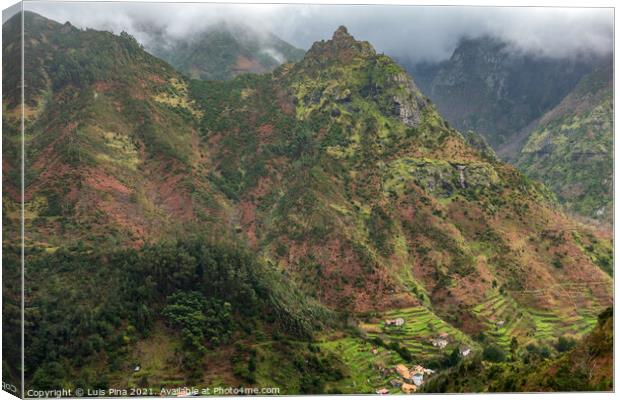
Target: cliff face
(571, 147)
(496, 91)
(550, 118)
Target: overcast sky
(414, 32)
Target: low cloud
(417, 33)
(276, 55)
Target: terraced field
(421, 325)
(502, 316)
(500, 308)
(366, 372)
(535, 324)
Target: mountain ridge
(342, 180)
(222, 51)
(577, 133)
(496, 91)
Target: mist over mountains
(222, 51)
(414, 33)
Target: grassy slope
(102, 161)
(570, 149)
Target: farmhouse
(403, 371)
(408, 388)
(394, 322)
(418, 369)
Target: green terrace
(420, 326)
(504, 319)
(363, 367)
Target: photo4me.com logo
(165, 392)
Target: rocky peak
(342, 47)
(342, 35)
(355, 69)
(67, 27)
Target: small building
(439, 342)
(374, 351)
(136, 368)
(444, 335)
(394, 322)
(465, 351)
(408, 388)
(418, 369)
(403, 371)
(500, 324)
(418, 379)
(382, 391)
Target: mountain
(571, 147)
(550, 118)
(260, 230)
(223, 51)
(493, 89)
(101, 158)
(350, 158)
(115, 163)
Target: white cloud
(420, 33)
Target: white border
(547, 3)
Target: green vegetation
(570, 149)
(582, 366)
(231, 290)
(493, 353)
(486, 88)
(421, 325)
(199, 319)
(261, 230)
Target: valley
(317, 228)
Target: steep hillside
(568, 366)
(11, 179)
(328, 188)
(571, 148)
(115, 162)
(363, 191)
(490, 88)
(223, 51)
(112, 148)
(589, 366)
